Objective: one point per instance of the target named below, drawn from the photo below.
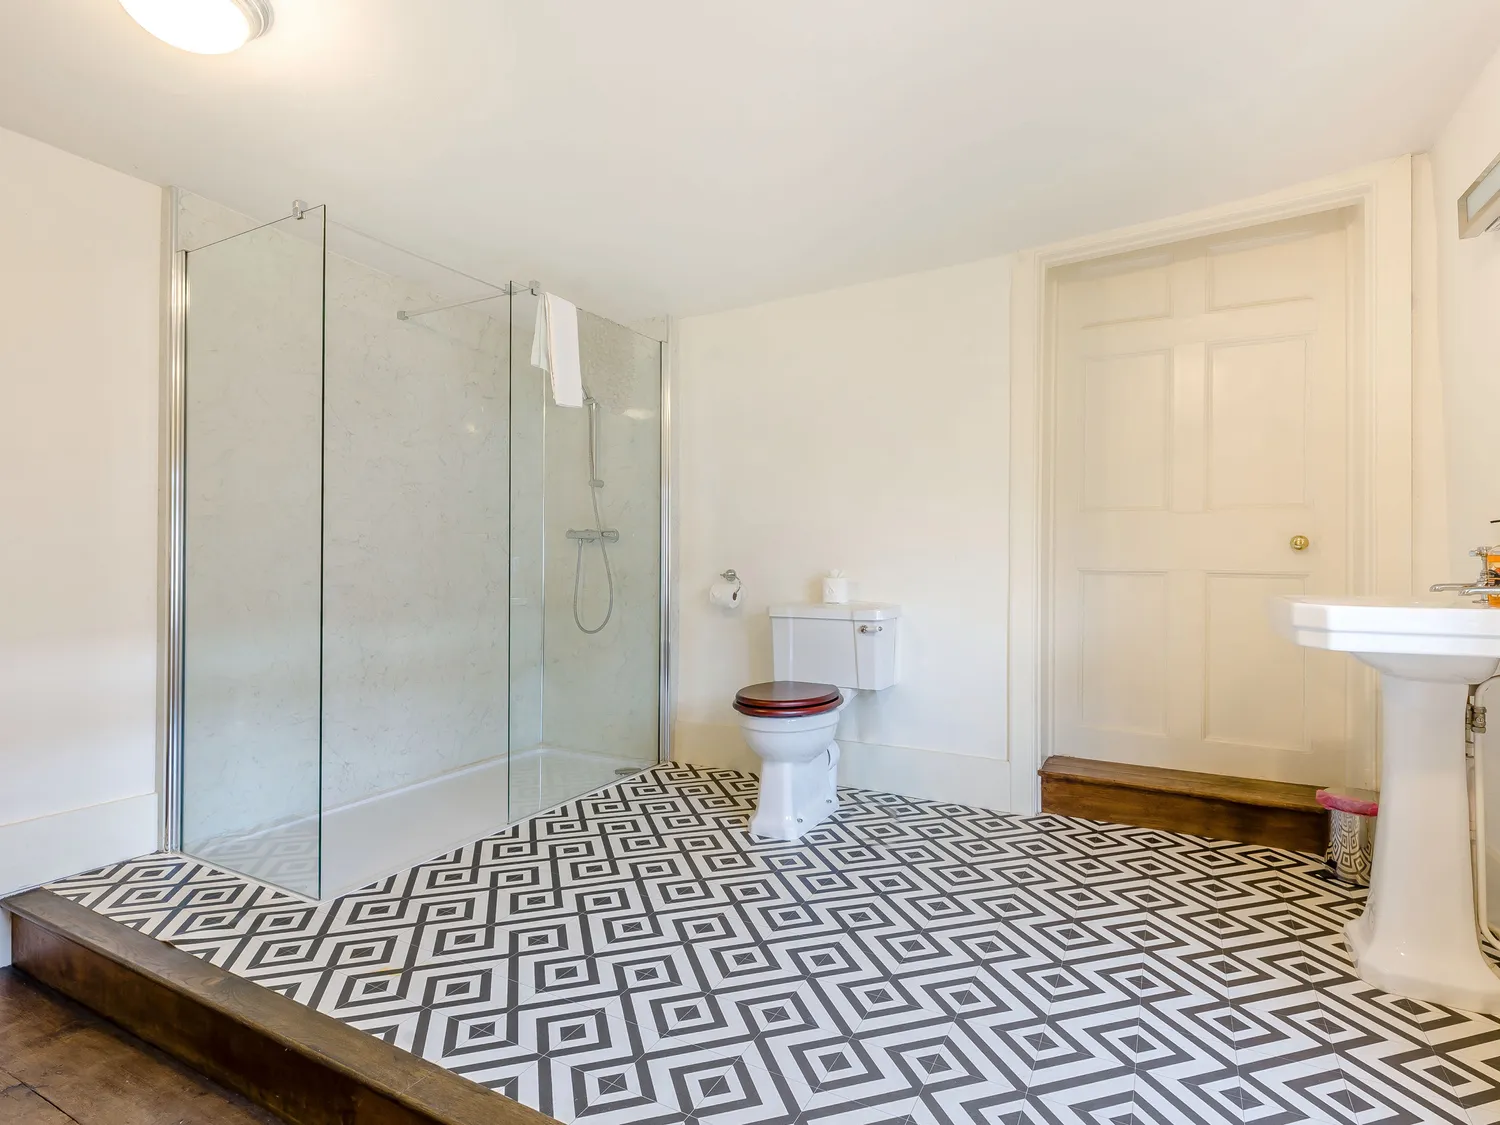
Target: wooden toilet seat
(787, 699)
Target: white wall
(80, 305)
(863, 428)
(1429, 491)
(1469, 335)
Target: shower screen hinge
(1474, 718)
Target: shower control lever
(593, 534)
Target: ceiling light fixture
(205, 27)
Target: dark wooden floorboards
(62, 1065)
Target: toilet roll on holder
(726, 592)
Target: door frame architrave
(1380, 433)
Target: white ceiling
(650, 156)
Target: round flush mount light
(205, 27)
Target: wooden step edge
(1194, 813)
(302, 1065)
(1206, 786)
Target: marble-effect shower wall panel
(416, 537)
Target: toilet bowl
(820, 655)
(790, 725)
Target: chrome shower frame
(667, 566)
(173, 587)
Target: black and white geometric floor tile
(635, 956)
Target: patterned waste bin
(1351, 833)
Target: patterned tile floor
(634, 956)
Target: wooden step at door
(1275, 813)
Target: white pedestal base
(796, 797)
(1418, 935)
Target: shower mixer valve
(594, 534)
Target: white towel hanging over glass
(554, 348)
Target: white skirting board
(933, 775)
(37, 851)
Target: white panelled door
(1201, 425)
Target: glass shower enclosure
(413, 600)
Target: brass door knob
(1300, 542)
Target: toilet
(821, 655)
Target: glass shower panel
(252, 532)
(415, 549)
(585, 515)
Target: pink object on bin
(1361, 802)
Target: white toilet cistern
(821, 654)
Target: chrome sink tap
(1485, 586)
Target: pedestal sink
(1418, 935)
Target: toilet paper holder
(727, 592)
